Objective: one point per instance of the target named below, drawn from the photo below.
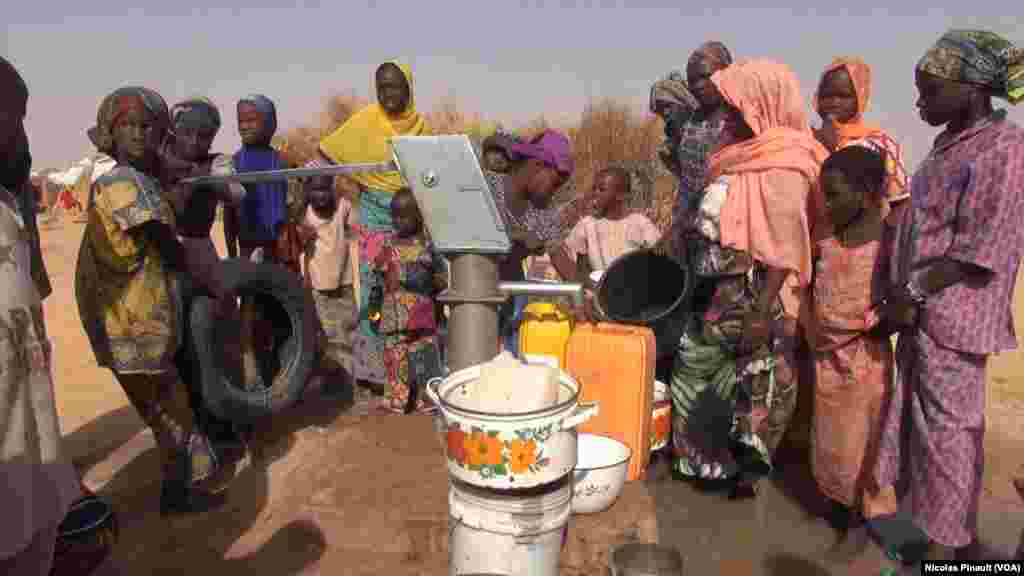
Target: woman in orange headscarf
(749, 243)
(841, 100)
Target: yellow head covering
(364, 138)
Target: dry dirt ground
(335, 492)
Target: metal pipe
(278, 175)
(474, 299)
(472, 334)
(573, 290)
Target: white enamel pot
(508, 451)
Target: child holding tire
(128, 292)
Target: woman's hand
(900, 313)
(440, 281)
(757, 330)
(588, 311)
(828, 134)
(528, 240)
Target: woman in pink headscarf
(749, 242)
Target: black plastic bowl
(648, 289)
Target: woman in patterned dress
(747, 236)
(694, 132)
(126, 287)
(364, 138)
(957, 253)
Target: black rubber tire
(221, 393)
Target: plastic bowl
(602, 464)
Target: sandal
(178, 493)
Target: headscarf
(266, 107)
(500, 141)
(978, 57)
(550, 147)
(15, 171)
(713, 51)
(197, 113)
(757, 219)
(264, 207)
(10, 78)
(118, 103)
(860, 76)
(363, 138)
(672, 89)
(15, 176)
(857, 129)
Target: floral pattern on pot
(487, 453)
(588, 490)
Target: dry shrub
(608, 133)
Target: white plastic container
(495, 532)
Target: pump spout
(571, 289)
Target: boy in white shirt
(325, 231)
(613, 230)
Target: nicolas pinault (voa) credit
(956, 567)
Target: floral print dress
(408, 323)
(719, 395)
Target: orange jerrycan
(545, 331)
(614, 364)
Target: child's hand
(440, 281)
(530, 241)
(828, 134)
(306, 233)
(383, 259)
(392, 278)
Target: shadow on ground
(242, 534)
(99, 438)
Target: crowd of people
(810, 248)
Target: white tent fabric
(68, 177)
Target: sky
(508, 61)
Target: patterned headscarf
(714, 52)
(672, 89)
(266, 106)
(196, 113)
(978, 57)
(119, 103)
